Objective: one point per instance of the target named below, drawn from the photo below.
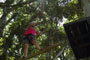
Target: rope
(59, 53)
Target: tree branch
(9, 9)
(43, 51)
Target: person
(30, 34)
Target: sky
(2, 1)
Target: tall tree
(15, 17)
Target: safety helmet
(33, 24)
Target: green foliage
(21, 13)
(73, 11)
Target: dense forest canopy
(15, 17)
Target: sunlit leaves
(74, 1)
(72, 10)
(1, 51)
(1, 41)
(1, 12)
(50, 18)
(11, 58)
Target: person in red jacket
(30, 38)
